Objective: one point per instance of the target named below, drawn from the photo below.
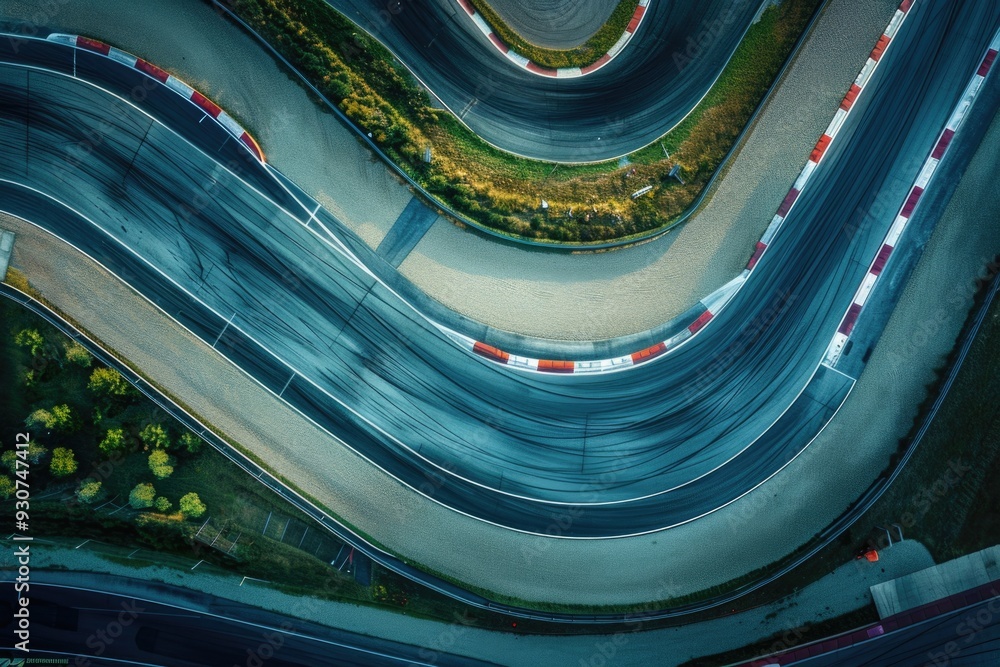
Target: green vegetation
(586, 203)
(63, 462)
(108, 382)
(88, 499)
(142, 496)
(580, 56)
(155, 436)
(114, 442)
(88, 491)
(161, 464)
(192, 506)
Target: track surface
(663, 428)
(671, 62)
(75, 621)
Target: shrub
(63, 462)
(142, 496)
(161, 464)
(31, 339)
(6, 487)
(88, 491)
(162, 504)
(155, 436)
(60, 418)
(114, 442)
(191, 505)
(109, 382)
(36, 453)
(77, 354)
(191, 442)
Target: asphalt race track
(107, 629)
(241, 263)
(671, 62)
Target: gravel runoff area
(603, 295)
(747, 535)
(538, 293)
(842, 591)
(554, 24)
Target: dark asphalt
(967, 638)
(105, 628)
(671, 62)
(629, 452)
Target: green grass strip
(580, 56)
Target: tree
(190, 442)
(63, 416)
(31, 339)
(9, 460)
(77, 354)
(109, 382)
(6, 487)
(191, 505)
(161, 463)
(114, 441)
(162, 505)
(88, 491)
(142, 496)
(154, 435)
(40, 420)
(59, 418)
(35, 454)
(63, 462)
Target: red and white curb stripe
(850, 318)
(712, 304)
(823, 145)
(169, 80)
(562, 72)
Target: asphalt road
(579, 456)
(966, 638)
(107, 629)
(555, 24)
(672, 61)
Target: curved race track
(671, 62)
(631, 451)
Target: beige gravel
(572, 297)
(594, 296)
(190, 40)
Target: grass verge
(586, 204)
(579, 56)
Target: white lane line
(291, 633)
(312, 216)
(838, 372)
(219, 337)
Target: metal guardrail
(555, 246)
(823, 539)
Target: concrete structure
(938, 582)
